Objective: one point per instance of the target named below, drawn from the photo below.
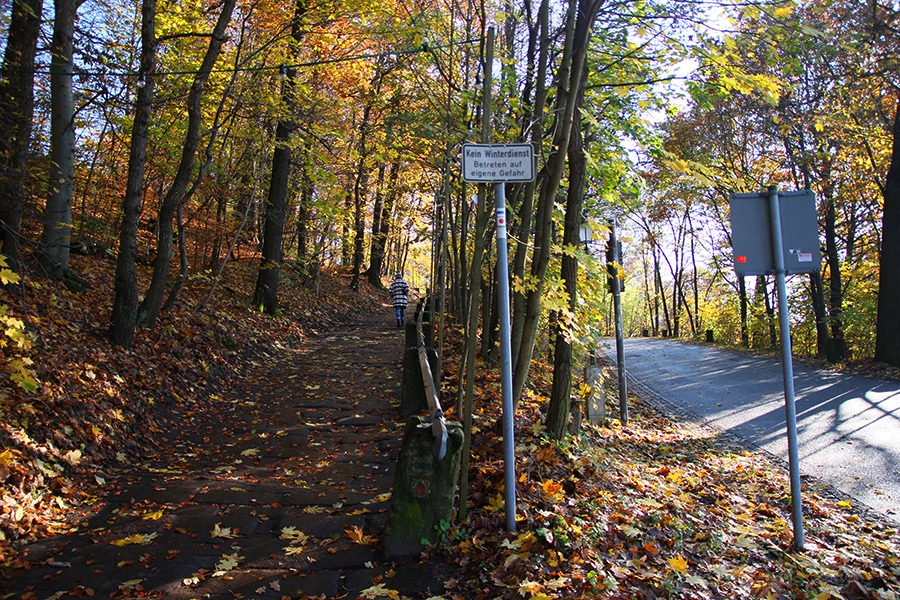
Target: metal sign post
(499, 164)
(509, 449)
(792, 249)
(615, 287)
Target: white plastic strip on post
(438, 426)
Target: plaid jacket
(399, 290)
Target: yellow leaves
(679, 564)
(513, 558)
(783, 12)
(552, 490)
(357, 536)
(296, 537)
(73, 457)
(535, 590)
(7, 276)
(228, 562)
(297, 540)
(19, 367)
(223, 532)
(496, 503)
(381, 498)
(154, 516)
(521, 540)
(379, 591)
(136, 539)
(630, 531)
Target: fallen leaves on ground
(658, 509)
(96, 408)
(357, 536)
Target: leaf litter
(659, 509)
(655, 510)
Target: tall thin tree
(57, 231)
(125, 304)
(265, 296)
(16, 115)
(149, 308)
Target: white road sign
(497, 163)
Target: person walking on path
(399, 291)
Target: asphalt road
(848, 427)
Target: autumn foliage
(95, 407)
(663, 508)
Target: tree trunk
(265, 295)
(377, 212)
(304, 260)
(887, 340)
(837, 346)
(346, 240)
(762, 287)
(16, 115)
(579, 24)
(219, 239)
(817, 293)
(361, 187)
(149, 308)
(662, 296)
(695, 280)
(57, 231)
(526, 210)
(745, 329)
(380, 236)
(560, 405)
(125, 305)
(182, 261)
(657, 292)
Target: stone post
(596, 402)
(424, 491)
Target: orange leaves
(357, 536)
(661, 510)
(552, 490)
(679, 564)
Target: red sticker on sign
(740, 259)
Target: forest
(186, 136)
(181, 142)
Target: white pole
(509, 447)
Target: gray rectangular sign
(751, 236)
(497, 163)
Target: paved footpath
(281, 492)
